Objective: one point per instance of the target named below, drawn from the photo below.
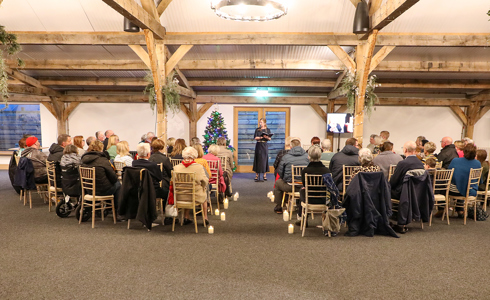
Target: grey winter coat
(296, 156)
(70, 159)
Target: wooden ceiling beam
(343, 56)
(176, 57)
(262, 82)
(379, 56)
(163, 6)
(138, 16)
(374, 5)
(398, 101)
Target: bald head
(108, 133)
(446, 141)
(409, 148)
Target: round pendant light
(249, 10)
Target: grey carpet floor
(250, 256)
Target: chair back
(223, 162)
(184, 187)
(391, 171)
(473, 180)
(160, 165)
(314, 187)
(175, 161)
(326, 163)
(87, 180)
(439, 165)
(51, 170)
(296, 175)
(347, 176)
(214, 167)
(441, 181)
(119, 166)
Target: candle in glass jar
(216, 212)
(272, 198)
(210, 229)
(235, 197)
(223, 217)
(291, 229)
(285, 216)
(225, 203)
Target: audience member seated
(346, 157)
(327, 147)
(430, 163)
(385, 136)
(467, 141)
(200, 160)
(170, 145)
(56, 152)
(107, 134)
(448, 152)
(481, 155)
(89, 140)
(70, 181)
(366, 161)
(100, 136)
(297, 156)
(195, 141)
(418, 142)
(411, 162)
(70, 156)
(461, 174)
(224, 151)
(38, 159)
(315, 141)
(188, 165)
(79, 142)
(22, 146)
(112, 146)
(177, 149)
(158, 157)
(281, 153)
(372, 142)
(149, 137)
(144, 153)
(459, 148)
(123, 155)
(315, 167)
(106, 182)
(213, 151)
(386, 158)
(429, 149)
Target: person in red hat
(38, 159)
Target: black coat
(152, 167)
(12, 171)
(396, 181)
(24, 177)
(55, 154)
(105, 175)
(70, 180)
(138, 198)
(160, 158)
(368, 205)
(417, 199)
(346, 157)
(446, 155)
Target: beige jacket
(223, 151)
(201, 180)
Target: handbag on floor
(171, 211)
(481, 215)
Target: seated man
(224, 151)
(56, 152)
(387, 158)
(346, 157)
(38, 159)
(448, 152)
(144, 153)
(281, 153)
(296, 156)
(411, 162)
(315, 167)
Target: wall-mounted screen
(339, 123)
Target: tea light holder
(223, 216)
(285, 216)
(235, 197)
(225, 203)
(291, 229)
(211, 230)
(272, 198)
(216, 212)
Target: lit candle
(285, 216)
(291, 229)
(223, 217)
(235, 197)
(210, 229)
(225, 203)
(269, 194)
(272, 198)
(216, 212)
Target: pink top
(222, 185)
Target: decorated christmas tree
(215, 129)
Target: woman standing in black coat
(261, 157)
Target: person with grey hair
(467, 141)
(108, 133)
(144, 153)
(195, 141)
(314, 167)
(326, 147)
(149, 137)
(188, 165)
(448, 152)
(90, 140)
(366, 161)
(212, 155)
(387, 158)
(411, 162)
(224, 151)
(100, 136)
(372, 142)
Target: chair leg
(114, 213)
(161, 211)
(305, 217)
(474, 214)
(93, 213)
(422, 224)
(25, 197)
(283, 197)
(465, 212)
(129, 223)
(173, 224)
(20, 195)
(81, 211)
(30, 199)
(195, 219)
(202, 214)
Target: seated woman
(80, 143)
(481, 155)
(200, 160)
(177, 149)
(462, 166)
(158, 157)
(70, 156)
(213, 151)
(429, 149)
(170, 145)
(188, 165)
(106, 178)
(143, 161)
(70, 178)
(315, 167)
(459, 148)
(112, 146)
(123, 155)
(366, 161)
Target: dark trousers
(281, 187)
(302, 196)
(114, 190)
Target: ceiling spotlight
(361, 18)
(249, 10)
(262, 92)
(129, 26)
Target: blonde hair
(171, 141)
(213, 149)
(265, 122)
(113, 140)
(122, 148)
(459, 145)
(200, 151)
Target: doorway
(246, 120)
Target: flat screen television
(340, 123)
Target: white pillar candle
(223, 217)
(225, 203)
(235, 197)
(210, 229)
(272, 198)
(291, 229)
(269, 194)
(216, 212)
(285, 216)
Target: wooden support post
(364, 56)
(193, 119)
(472, 117)
(330, 109)
(61, 112)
